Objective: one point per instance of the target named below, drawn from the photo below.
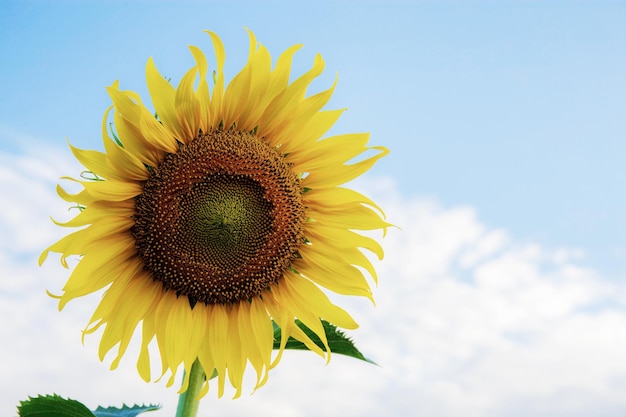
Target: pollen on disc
(220, 220)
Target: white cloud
(468, 322)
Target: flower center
(221, 220)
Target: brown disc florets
(220, 220)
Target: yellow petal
(218, 88)
(139, 295)
(83, 197)
(299, 118)
(79, 242)
(279, 109)
(349, 252)
(129, 166)
(263, 332)
(332, 273)
(358, 217)
(331, 152)
(163, 97)
(281, 308)
(311, 131)
(282, 71)
(342, 238)
(313, 299)
(188, 107)
(247, 94)
(97, 270)
(93, 214)
(337, 198)
(310, 318)
(235, 357)
(202, 93)
(96, 162)
(127, 116)
(147, 335)
(113, 190)
(331, 177)
(218, 343)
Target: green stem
(188, 401)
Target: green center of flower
(223, 217)
(221, 220)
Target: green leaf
(337, 341)
(52, 406)
(125, 411)
(57, 406)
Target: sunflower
(219, 215)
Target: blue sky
(515, 108)
(505, 122)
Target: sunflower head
(219, 226)
(219, 218)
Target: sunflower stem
(188, 401)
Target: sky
(502, 292)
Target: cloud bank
(469, 322)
